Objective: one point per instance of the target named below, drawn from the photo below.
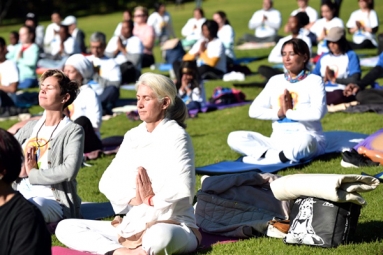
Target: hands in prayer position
(144, 191)
(286, 102)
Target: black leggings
(210, 73)
(268, 72)
(92, 142)
(5, 100)
(366, 44)
(370, 96)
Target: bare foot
(126, 251)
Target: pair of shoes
(354, 159)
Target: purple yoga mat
(367, 142)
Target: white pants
(50, 208)
(100, 237)
(295, 147)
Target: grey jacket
(65, 157)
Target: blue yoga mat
(231, 167)
(337, 141)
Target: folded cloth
(333, 187)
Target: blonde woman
(152, 178)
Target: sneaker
(354, 159)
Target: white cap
(69, 20)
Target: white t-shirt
(8, 73)
(311, 12)
(193, 29)
(50, 33)
(70, 46)
(87, 104)
(109, 69)
(275, 55)
(265, 28)
(27, 189)
(226, 35)
(214, 49)
(133, 45)
(318, 27)
(368, 19)
(162, 24)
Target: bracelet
(149, 198)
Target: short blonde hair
(163, 87)
(143, 9)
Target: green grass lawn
(209, 131)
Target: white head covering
(82, 65)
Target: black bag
(323, 223)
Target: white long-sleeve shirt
(309, 105)
(193, 29)
(87, 104)
(162, 25)
(275, 55)
(226, 35)
(268, 27)
(168, 157)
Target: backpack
(222, 95)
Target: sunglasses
(139, 15)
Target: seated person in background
(192, 30)
(76, 33)
(62, 47)
(145, 33)
(9, 78)
(296, 102)
(32, 21)
(86, 109)
(209, 53)
(322, 26)
(339, 67)
(26, 54)
(128, 51)
(162, 23)
(51, 32)
(153, 188)
(23, 230)
(225, 34)
(311, 13)
(107, 76)
(294, 26)
(53, 147)
(266, 23)
(190, 86)
(358, 88)
(126, 15)
(363, 24)
(13, 40)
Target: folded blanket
(333, 187)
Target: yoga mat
(208, 240)
(245, 60)
(214, 107)
(57, 250)
(128, 86)
(337, 141)
(96, 211)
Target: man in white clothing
(77, 34)
(51, 31)
(266, 23)
(127, 50)
(107, 75)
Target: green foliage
(209, 131)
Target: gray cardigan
(65, 156)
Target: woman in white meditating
(296, 102)
(53, 148)
(152, 178)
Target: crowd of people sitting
(78, 86)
